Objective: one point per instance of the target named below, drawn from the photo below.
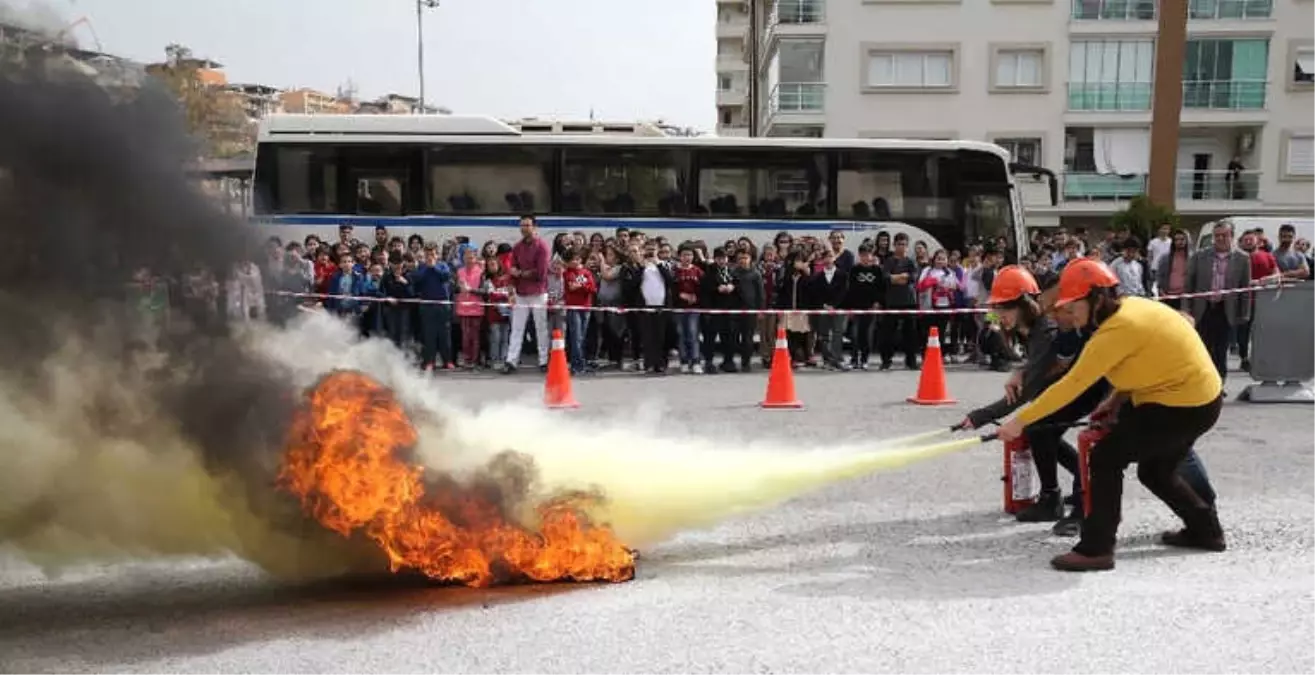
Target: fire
(344, 462)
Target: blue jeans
(577, 327)
(436, 335)
(1192, 470)
(687, 332)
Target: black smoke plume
(115, 439)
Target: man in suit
(1213, 270)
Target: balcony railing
(797, 12)
(1224, 95)
(1131, 96)
(797, 97)
(1097, 187)
(1114, 10)
(1218, 185)
(1230, 9)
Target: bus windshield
(958, 195)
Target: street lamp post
(421, 6)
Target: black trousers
(1158, 438)
(653, 334)
(719, 336)
(863, 325)
(1217, 336)
(899, 331)
(742, 329)
(1050, 450)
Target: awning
(1305, 66)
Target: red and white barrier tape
(705, 310)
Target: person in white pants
(521, 310)
(529, 268)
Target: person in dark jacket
(867, 290)
(792, 293)
(398, 292)
(900, 330)
(719, 292)
(651, 284)
(829, 285)
(750, 288)
(1014, 297)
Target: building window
(1300, 160)
(723, 82)
(1022, 150)
(726, 116)
(1303, 67)
(1020, 69)
(1225, 74)
(1110, 74)
(1230, 9)
(911, 70)
(1114, 10)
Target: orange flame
(342, 461)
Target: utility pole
(421, 6)
(1167, 102)
(754, 94)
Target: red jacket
(689, 280)
(578, 287)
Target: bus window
(305, 180)
(612, 180)
(764, 183)
(381, 178)
(489, 179)
(882, 185)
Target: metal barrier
(1282, 331)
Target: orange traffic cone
(780, 383)
(557, 388)
(931, 385)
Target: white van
(1305, 228)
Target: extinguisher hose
(1053, 426)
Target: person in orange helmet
(1015, 298)
(1167, 394)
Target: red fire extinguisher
(1086, 441)
(1020, 487)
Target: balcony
(731, 97)
(1195, 190)
(1224, 95)
(794, 17)
(1096, 187)
(797, 97)
(1114, 10)
(1225, 10)
(732, 30)
(1217, 186)
(1109, 96)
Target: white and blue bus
(444, 175)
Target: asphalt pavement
(917, 570)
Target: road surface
(912, 571)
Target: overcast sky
(625, 59)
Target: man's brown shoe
(1076, 562)
(1187, 539)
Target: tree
(212, 114)
(1143, 217)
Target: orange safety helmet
(1011, 283)
(1080, 277)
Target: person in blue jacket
(432, 280)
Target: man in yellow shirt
(1157, 364)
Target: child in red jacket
(579, 289)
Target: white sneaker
(685, 368)
(698, 368)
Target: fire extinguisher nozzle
(987, 438)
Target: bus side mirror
(1016, 168)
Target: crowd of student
(476, 302)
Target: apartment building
(311, 102)
(1061, 83)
